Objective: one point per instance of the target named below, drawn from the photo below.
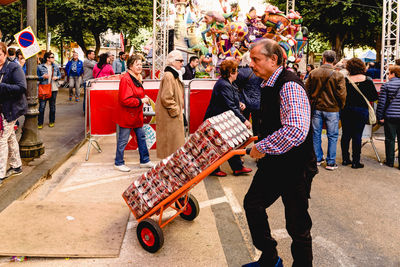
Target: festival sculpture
(218, 35)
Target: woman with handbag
(388, 112)
(360, 91)
(48, 74)
(13, 104)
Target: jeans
(353, 123)
(74, 81)
(42, 106)
(392, 129)
(270, 182)
(122, 141)
(331, 120)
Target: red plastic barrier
(103, 95)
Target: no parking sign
(26, 40)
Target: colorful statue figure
(233, 15)
(230, 47)
(215, 27)
(275, 21)
(256, 28)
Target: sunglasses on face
(51, 57)
(179, 60)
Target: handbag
(371, 111)
(45, 89)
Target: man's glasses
(179, 60)
(51, 57)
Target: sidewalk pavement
(60, 143)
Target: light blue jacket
(42, 70)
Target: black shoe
(346, 162)
(13, 171)
(388, 164)
(357, 165)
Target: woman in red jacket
(130, 114)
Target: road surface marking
(279, 234)
(105, 181)
(335, 250)
(232, 200)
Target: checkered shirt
(295, 118)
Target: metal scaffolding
(289, 5)
(390, 35)
(160, 36)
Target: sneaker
(242, 171)
(320, 162)
(147, 165)
(331, 167)
(76, 99)
(122, 168)
(40, 126)
(13, 171)
(51, 124)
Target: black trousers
(392, 130)
(353, 123)
(269, 183)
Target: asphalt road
(355, 213)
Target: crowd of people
(287, 112)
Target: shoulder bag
(45, 89)
(371, 111)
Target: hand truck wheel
(150, 235)
(192, 208)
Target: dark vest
(300, 157)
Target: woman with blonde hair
(169, 107)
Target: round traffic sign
(26, 39)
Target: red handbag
(45, 89)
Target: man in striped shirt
(286, 162)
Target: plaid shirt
(295, 118)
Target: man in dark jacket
(249, 86)
(190, 69)
(13, 104)
(286, 160)
(327, 90)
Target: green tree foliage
(75, 18)
(10, 21)
(352, 23)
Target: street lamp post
(31, 145)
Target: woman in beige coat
(170, 134)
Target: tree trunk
(378, 47)
(338, 45)
(98, 43)
(81, 42)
